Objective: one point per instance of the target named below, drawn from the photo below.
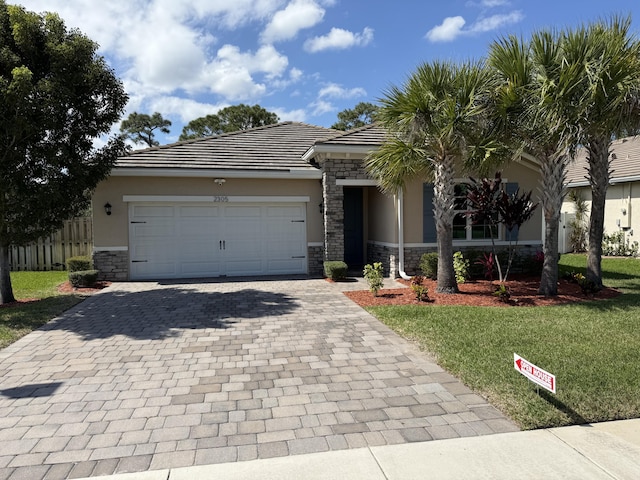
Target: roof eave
(319, 149)
(292, 173)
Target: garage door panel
(200, 269)
(237, 211)
(199, 211)
(159, 229)
(199, 240)
(205, 229)
(153, 211)
(237, 268)
(151, 270)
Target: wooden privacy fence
(50, 253)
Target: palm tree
(563, 90)
(606, 58)
(438, 118)
(531, 108)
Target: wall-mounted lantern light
(107, 208)
(219, 181)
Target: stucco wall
(382, 217)
(527, 180)
(113, 231)
(619, 196)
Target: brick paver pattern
(147, 376)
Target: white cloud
(133, 36)
(339, 39)
(321, 107)
(494, 3)
(295, 75)
(333, 90)
(298, 115)
(185, 108)
(448, 30)
(230, 74)
(296, 16)
(452, 27)
(494, 22)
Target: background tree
(56, 97)
(139, 127)
(578, 225)
(364, 113)
(606, 104)
(439, 118)
(229, 119)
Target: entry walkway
(154, 376)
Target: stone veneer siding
(388, 256)
(112, 265)
(333, 198)
(316, 259)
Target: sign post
(537, 375)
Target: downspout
(403, 275)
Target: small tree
(490, 205)
(139, 127)
(56, 97)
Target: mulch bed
(524, 292)
(66, 287)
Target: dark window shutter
(511, 236)
(428, 221)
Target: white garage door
(187, 240)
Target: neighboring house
(272, 200)
(623, 193)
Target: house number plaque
(220, 199)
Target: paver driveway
(146, 376)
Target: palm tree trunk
(598, 173)
(443, 210)
(6, 292)
(553, 171)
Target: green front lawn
(593, 348)
(17, 321)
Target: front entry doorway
(353, 228)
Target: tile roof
(625, 163)
(370, 135)
(273, 147)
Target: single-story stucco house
(272, 200)
(623, 193)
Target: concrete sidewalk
(608, 450)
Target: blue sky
(306, 60)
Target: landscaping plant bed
(66, 287)
(480, 293)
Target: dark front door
(353, 234)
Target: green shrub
(83, 278)
(460, 267)
(374, 274)
(335, 270)
(420, 291)
(617, 245)
(79, 264)
(429, 265)
(503, 293)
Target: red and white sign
(535, 374)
